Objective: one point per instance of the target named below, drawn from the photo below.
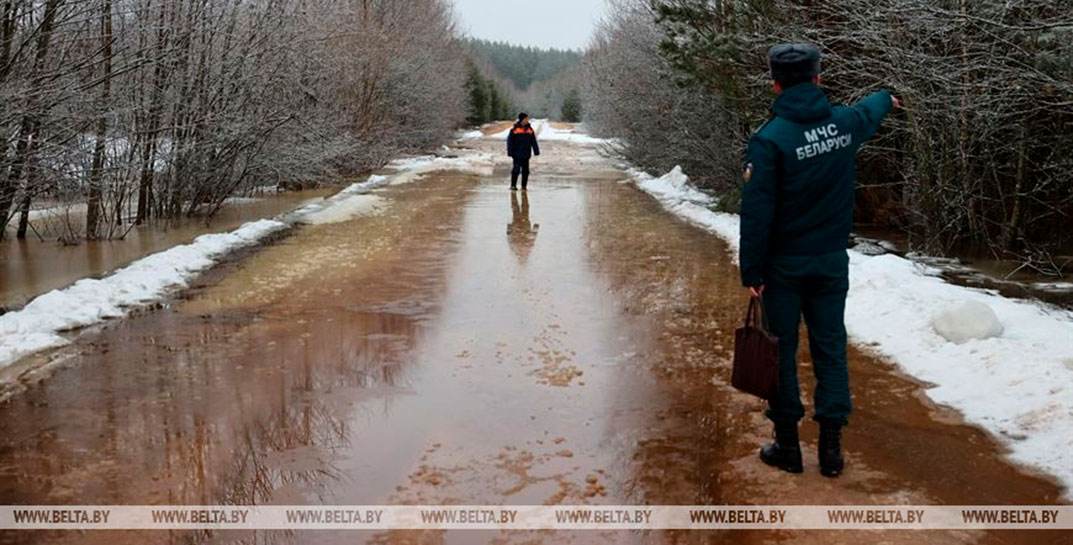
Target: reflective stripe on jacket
(522, 142)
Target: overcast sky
(565, 24)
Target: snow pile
(502, 135)
(347, 204)
(478, 163)
(550, 133)
(38, 325)
(966, 321)
(1018, 385)
(546, 131)
(346, 209)
(471, 135)
(673, 186)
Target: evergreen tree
(572, 106)
(523, 65)
(477, 91)
(495, 101)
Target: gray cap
(794, 63)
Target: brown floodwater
(975, 268)
(469, 345)
(34, 266)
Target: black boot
(785, 452)
(831, 462)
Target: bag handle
(755, 316)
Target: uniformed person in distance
(521, 146)
(796, 216)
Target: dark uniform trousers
(521, 165)
(814, 287)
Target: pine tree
(572, 106)
(494, 101)
(478, 97)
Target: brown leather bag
(756, 355)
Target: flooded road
(469, 346)
(33, 266)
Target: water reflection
(31, 267)
(521, 232)
(266, 403)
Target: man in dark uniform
(521, 145)
(796, 216)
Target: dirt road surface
(469, 345)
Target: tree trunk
(30, 121)
(96, 175)
(24, 215)
(145, 180)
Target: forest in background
(980, 160)
(543, 82)
(139, 109)
(125, 111)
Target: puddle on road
(450, 351)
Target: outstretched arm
(757, 211)
(870, 113)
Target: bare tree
(144, 109)
(980, 160)
(635, 94)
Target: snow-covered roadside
(1018, 385)
(40, 324)
(502, 135)
(479, 163)
(352, 201)
(547, 132)
(356, 200)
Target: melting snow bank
(352, 201)
(39, 325)
(1018, 385)
(478, 163)
(547, 132)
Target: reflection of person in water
(520, 232)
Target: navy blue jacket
(522, 142)
(799, 197)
